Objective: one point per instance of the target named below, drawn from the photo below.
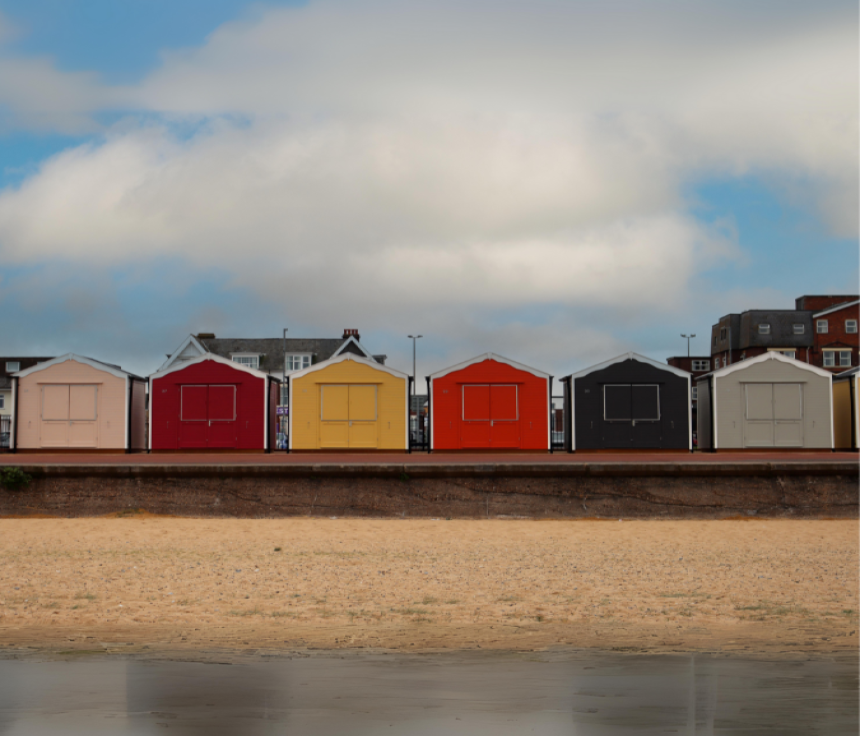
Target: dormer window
(13, 366)
(247, 360)
(798, 329)
(764, 329)
(701, 365)
(298, 362)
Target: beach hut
(489, 403)
(628, 403)
(212, 403)
(846, 409)
(769, 401)
(73, 403)
(348, 403)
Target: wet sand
(144, 583)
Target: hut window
(701, 365)
(13, 366)
(764, 329)
(851, 326)
(631, 402)
(249, 361)
(821, 326)
(798, 329)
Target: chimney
(206, 336)
(350, 333)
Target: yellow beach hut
(846, 409)
(348, 403)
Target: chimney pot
(347, 333)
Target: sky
(555, 181)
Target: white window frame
(851, 326)
(248, 360)
(764, 328)
(842, 354)
(2, 401)
(829, 358)
(631, 385)
(694, 393)
(787, 352)
(798, 329)
(304, 359)
(13, 366)
(701, 365)
(821, 326)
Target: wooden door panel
(55, 402)
(362, 403)
(474, 434)
(194, 400)
(504, 435)
(334, 403)
(82, 403)
(759, 401)
(476, 403)
(363, 435)
(334, 434)
(222, 404)
(758, 434)
(55, 434)
(83, 434)
(503, 403)
(193, 434)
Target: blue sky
(239, 167)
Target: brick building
(697, 365)
(821, 331)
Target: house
(695, 365)
(212, 403)
(821, 330)
(489, 403)
(846, 409)
(348, 402)
(769, 401)
(9, 366)
(74, 403)
(628, 403)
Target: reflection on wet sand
(585, 694)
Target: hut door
(773, 415)
(69, 416)
(208, 417)
(362, 417)
(504, 417)
(348, 417)
(475, 427)
(631, 414)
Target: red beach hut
(211, 403)
(489, 403)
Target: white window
(851, 326)
(694, 392)
(2, 401)
(764, 329)
(798, 329)
(829, 358)
(821, 326)
(297, 362)
(701, 365)
(786, 353)
(284, 390)
(845, 358)
(249, 361)
(13, 366)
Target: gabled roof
(114, 370)
(352, 341)
(847, 374)
(771, 355)
(217, 359)
(631, 356)
(837, 308)
(192, 341)
(489, 356)
(347, 356)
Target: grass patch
(283, 614)
(693, 594)
(410, 611)
(85, 597)
(452, 602)
(429, 600)
(509, 599)
(253, 612)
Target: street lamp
(283, 388)
(414, 380)
(688, 343)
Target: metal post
(283, 385)
(688, 343)
(414, 388)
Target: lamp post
(414, 338)
(688, 343)
(283, 387)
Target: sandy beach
(139, 583)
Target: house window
(297, 362)
(13, 366)
(715, 338)
(851, 326)
(2, 401)
(284, 394)
(249, 361)
(694, 392)
(798, 329)
(787, 353)
(764, 329)
(701, 365)
(821, 326)
(722, 333)
(744, 355)
(845, 358)
(829, 358)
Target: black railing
(5, 431)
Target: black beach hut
(628, 403)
